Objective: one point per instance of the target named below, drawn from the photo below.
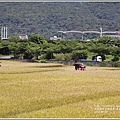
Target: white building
(99, 58)
(23, 37)
(55, 38)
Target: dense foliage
(38, 48)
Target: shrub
(68, 56)
(43, 61)
(116, 64)
(79, 54)
(103, 64)
(49, 55)
(42, 57)
(116, 58)
(60, 57)
(89, 64)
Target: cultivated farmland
(47, 90)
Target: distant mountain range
(48, 18)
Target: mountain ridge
(48, 18)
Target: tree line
(36, 47)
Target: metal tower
(4, 33)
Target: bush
(116, 58)
(68, 56)
(79, 54)
(49, 55)
(89, 64)
(43, 61)
(60, 57)
(115, 64)
(103, 64)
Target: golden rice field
(47, 90)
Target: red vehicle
(79, 66)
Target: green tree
(37, 38)
(17, 49)
(14, 49)
(33, 50)
(116, 58)
(14, 38)
(79, 54)
(4, 49)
